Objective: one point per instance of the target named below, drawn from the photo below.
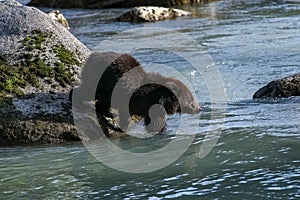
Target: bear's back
(108, 68)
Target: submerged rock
(151, 14)
(40, 61)
(110, 3)
(285, 87)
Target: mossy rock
(13, 79)
(66, 56)
(5, 101)
(63, 75)
(35, 40)
(39, 60)
(43, 59)
(3, 59)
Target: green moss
(5, 101)
(30, 47)
(32, 68)
(65, 56)
(14, 78)
(11, 79)
(39, 37)
(35, 40)
(3, 59)
(26, 40)
(63, 75)
(38, 46)
(28, 56)
(41, 69)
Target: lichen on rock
(42, 45)
(40, 65)
(151, 14)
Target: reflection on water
(257, 154)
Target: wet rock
(40, 61)
(285, 87)
(57, 16)
(151, 14)
(110, 3)
(18, 125)
(292, 1)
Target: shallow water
(257, 152)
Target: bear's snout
(190, 108)
(195, 108)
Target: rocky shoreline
(42, 128)
(40, 61)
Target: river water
(256, 155)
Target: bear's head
(179, 99)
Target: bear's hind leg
(106, 117)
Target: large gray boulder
(110, 3)
(151, 14)
(40, 61)
(285, 87)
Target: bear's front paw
(156, 121)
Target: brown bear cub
(124, 86)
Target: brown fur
(143, 89)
